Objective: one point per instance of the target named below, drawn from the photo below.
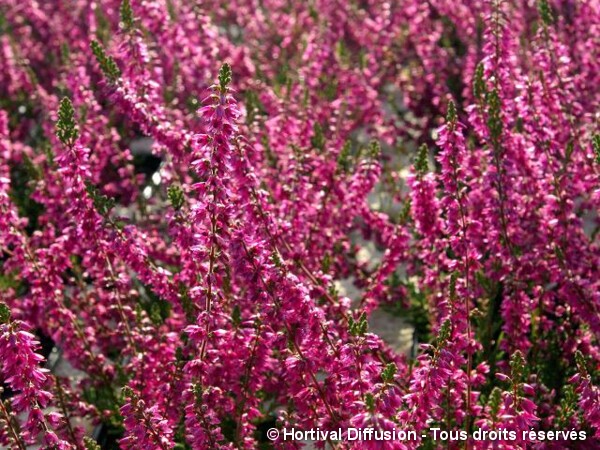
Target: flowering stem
(11, 426)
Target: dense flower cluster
(192, 245)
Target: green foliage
(358, 328)
(254, 106)
(107, 64)
(452, 286)
(545, 12)
(596, 145)
(370, 401)
(236, 316)
(176, 197)
(374, 150)
(517, 368)
(551, 366)
(65, 53)
(344, 162)
(102, 203)
(569, 150)
(443, 334)
(417, 313)
(270, 156)
(8, 281)
(318, 138)
(103, 397)
(103, 25)
(451, 114)
(568, 406)
(186, 303)
(22, 181)
(581, 364)
(404, 215)
(4, 25)
(488, 328)
(4, 313)
(90, 444)
(224, 77)
(479, 89)
(126, 12)
(158, 310)
(276, 258)
(494, 402)
(127, 392)
(421, 161)
(494, 121)
(387, 374)
(326, 263)
(66, 127)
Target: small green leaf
(421, 161)
(224, 77)
(495, 401)
(387, 375)
(494, 121)
(102, 203)
(444, 333)
(126, 15)
(479, 89)
(318, 138)
(374, 150)
(65, 53)
(344, 161)
(186, 303)
(66, 128)
(4, 313)
(127, 392)
(276, 258)
(236, 316)
(91, 444)
(197, 391)
(451, 114)
(517, 367)
(568, 406)
(404, 215)
(107, 63)
(452, 289)
(596, 145)
(360, 327)
(545, 12)
(581, 364)
(370, 401)
(569, 149)
(176, 197)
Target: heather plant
(188, 191)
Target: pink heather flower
(20, 370)
(145, 428)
